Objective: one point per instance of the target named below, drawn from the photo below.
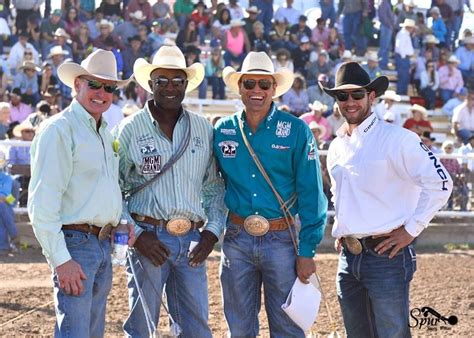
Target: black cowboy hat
(352, 76)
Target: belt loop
(90, 228)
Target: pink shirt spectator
(453, 82)
(309, 117)
(20, 113)
(320, 36)
(136, 5)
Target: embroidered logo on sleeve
(312, 150)
(228, 148)
(283, 129)
(197, 142)
(228, 131)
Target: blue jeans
(430, 97)
(7, 226)
(373, 292)
(218, 87)
(351, 24)
(464, 135)
(202, 89)
(385, 45)
(185, 286)
(403, 73)
(84, 315)
(247, 263)
(266, 13)
(446, 94)
(328, 12)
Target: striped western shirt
(191, 188)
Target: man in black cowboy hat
(387, 185)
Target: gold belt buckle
(104, 233)
(178, 226)
(256, 225)
(353, 245)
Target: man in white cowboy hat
(465, 55)
(418, 123)
(372, 66)
(386, 188)
(450, 79)
(106, 28)
(403, 52)
(62, 39)
(463, 118)
(386, 105)
(27, 80)
(184, 206)
(74, 196)
(252, 11)
(259, 245)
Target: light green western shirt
(191, 188)
(74, 179)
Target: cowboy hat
(259, 63)
(253, 10)
(57, 50)
(100, 64)
(435, 10)
(61, 32)
(313, 125)
(138, 14)
(408, 23)
(410, 3)
(51, 91)
(347, 54)
(105, 22)
(30, 65)
(453, 59)
(236, 23)
(25, 125)
(469, 40)
(430, 38)
(391, 95)
(420, 109)
(372, 56)
(168, 57)
(351, 75)
(318, 106)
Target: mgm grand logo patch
(151, 164)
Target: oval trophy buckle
(178, 226)
(353, 245)
(256, 225)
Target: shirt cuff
(138, 230)
(59, 258)
(307, 250)
(415, 228)
(215, 228)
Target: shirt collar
(152, 119)
(82, 114)
(268, 119)
(362, 129)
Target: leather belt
(176, 229)
(276, 224)
(101, 232)
(355, 245)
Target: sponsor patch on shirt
(283, 129)
(147, 149)
(151, 164)
(228, 131)
(228, 148)
(197, 142)
(312, 151)
(280, 147)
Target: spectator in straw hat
(372, 66)
(398, 190)
(62, 39)
(57, 55)
(74, 196)
(463, 118)
(430, 43)
(167, 221)
(253, 12)
(19, 111)
(418, 123)
(316, 93)
(27, 81)
(387, 105)
(17, 52)
(235, 43)
(450, 79)
(266, 256)
(48, 27)
(316, 115)
(318, 131)
(403, 52)
(465, 55)
(127, 29)
(106, 28)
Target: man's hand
(152, 248)
(203, 249)
(70, 275)
(131, 235)
(338, 245)
(397, 240)
(305, 267)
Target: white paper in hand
(302, 303)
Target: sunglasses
(356, 95)
(163, 82)
(28, 53)
(96, 85)
(263, 84)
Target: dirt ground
(444, 282)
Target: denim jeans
(84, 315)
(430, 97)
(185, 287)
(266, 13)
(351, 24)
(446, 94)
(373, 292)
(218, 87)
(7, 226)
(328, 11)
(247, 263)
(385, 45)
(464, 135)
(403, 73)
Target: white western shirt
(382, 177)
(403, 44)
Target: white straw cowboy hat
(313, 125)
(253, 10)
(408, 23)
(453, 59)
(236, 23)
(25, 125)
(105, 22)
(318, 106)
(138, 15)
(347, 54)
(372, 56)
(391, 95)
(259, 63)
(100, 64)
(420, 109)
(168, 57)
(57, 50)
(29, 65)
(430, 38)
(61, 32)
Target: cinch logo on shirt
(438, 167)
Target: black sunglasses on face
(96, 85)
(356, 95)
(163, 82)
(263, 84)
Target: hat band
(259, 70)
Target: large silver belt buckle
(353, 245)
(256, 225)
(178, 226)
(105, 232)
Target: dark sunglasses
(28, 53)
(163, 82)
(263, 84)
(356, 95)
(96, 85)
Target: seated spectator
(127, 29)
(252, 11)
(187, 36)
(155, 37)
(82, 44)
(33, 31)
(279, 35)
(72, 22)
(420, 66)
(192, 56)
(94, 23)
(214, 66)
(298, 30)
(110, 46)
(18, 110)
(301, 55)
(4, 119)
(48, 27)
(47, 78)
(223, 20)
(463, 118)
(297, 98)
(53, 97)
(62, 39)
(316, 93)
(160, 10)
(429, 83)
(132, 52)
(130, 95)
(236, 44)
(320, 33)
(27, 81)
(465, 55)
(283, 60)
(457, 100)
(201, 19)
(146, 45)
(336, 44)
(454, 169)
(8, 230)
(450, 79)
(17, 53)
(139, 5)
(111, 9)
(236, 12)
(289, 13)
(318, 131)
(57, 56)
(335, 120)
(372, 66)
(429, 44)
(106, 28)
(43, 111)
(418, 123)
(258, 40)
(322, 65)
(21, 155)
(386, 105)
(316, 115)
